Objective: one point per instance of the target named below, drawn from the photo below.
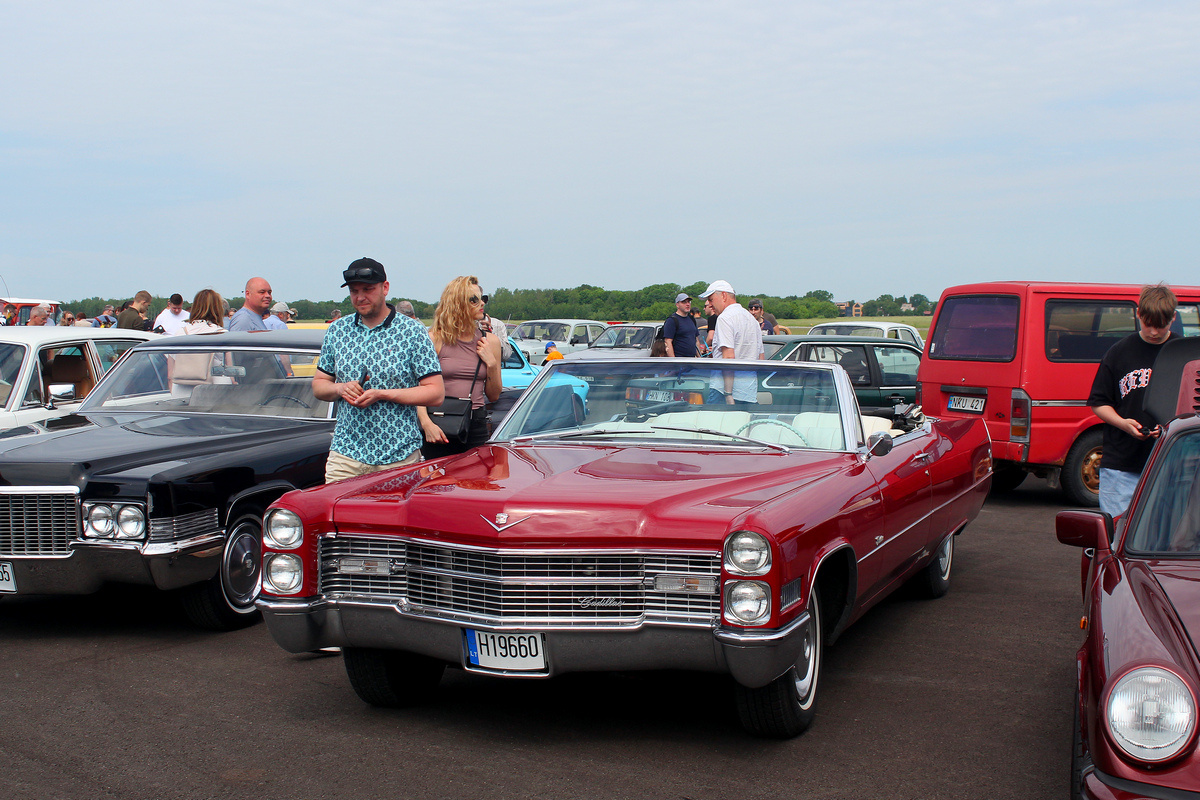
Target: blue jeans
(1116, 490)
(716, 398)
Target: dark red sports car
(735, 530)
(1138, 668)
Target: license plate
(659, 396)
(973, 404)
(513, 652)
(587, 378)
(7, 582)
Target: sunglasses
(357, 273)
(478, 299)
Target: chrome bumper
(90, 565)
(753, 658)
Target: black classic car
(883, 371)
(162, 475)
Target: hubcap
(946, 557)
(243, 562)
(1090, 471)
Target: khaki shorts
(339, 467)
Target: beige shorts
(339, 467)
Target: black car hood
(63, 450)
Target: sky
(856, 147)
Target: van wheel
(1081, 470)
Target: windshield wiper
(773, 445)
(575, 434)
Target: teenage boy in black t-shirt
(1117, 394)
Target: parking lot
(114, 696)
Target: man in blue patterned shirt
(378, 366)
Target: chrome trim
(159, 549)
(1059, 403)
(39, 521)
(39, 490)
(184, 525)
(741, 637)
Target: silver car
(568, 336)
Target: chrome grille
(515, 587)
(184, 525)
(41, 522)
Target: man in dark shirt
(680, 332)
(1117, 395)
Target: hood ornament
(502, 524)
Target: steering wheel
(779, 422)
(274, 397)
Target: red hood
(579, 496)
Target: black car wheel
(786, 706)
(1007, 478)
(226, 601)
(934, 580)
(391, 678)
(1081, 470)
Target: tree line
(654, 302)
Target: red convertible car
(1138, 668)
(736, 531)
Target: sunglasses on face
(476, 300)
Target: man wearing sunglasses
(377, 365)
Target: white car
(47, 370)
(568, 336)
(630, 340)
(871, 328)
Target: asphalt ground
(115, 696)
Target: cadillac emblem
(502, 524)
(501, 518)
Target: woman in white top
(207, 313)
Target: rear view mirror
(879, 444)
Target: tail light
(919, 394)
(1018, 425)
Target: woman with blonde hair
(470, 359)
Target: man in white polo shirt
(739, 336)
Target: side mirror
(1084, 529)
(60, 393)
(879, 444)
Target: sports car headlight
(747, 602)
(1151, 714)
(283, 530)
(747, 553)
(284, 573)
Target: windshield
(635, 336)
(874, 331)
(541, 331)
(1169, 520)
(656, 400)
(275, 383)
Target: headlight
(131, 523)
(283, 529)
(284, 573)
(747, 553)
(100, 522)
(747, 602)
(1151, 714)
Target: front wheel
(1081, 470)
(786, 706)
(225, 602)
(391, 678)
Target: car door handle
(922, 456)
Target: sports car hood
(1180, 582)
(64, 450)
(580, 495)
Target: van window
(1187, 320)
(1083, 330)
(976, 328)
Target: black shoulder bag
(453, 416)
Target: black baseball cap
(365, 270)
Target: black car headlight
(1150, 714)
(121, 521)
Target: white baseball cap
(717, 286)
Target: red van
(1022, 355)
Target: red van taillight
(1018, 425)
(919, 394)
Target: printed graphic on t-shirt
(1137, 379)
